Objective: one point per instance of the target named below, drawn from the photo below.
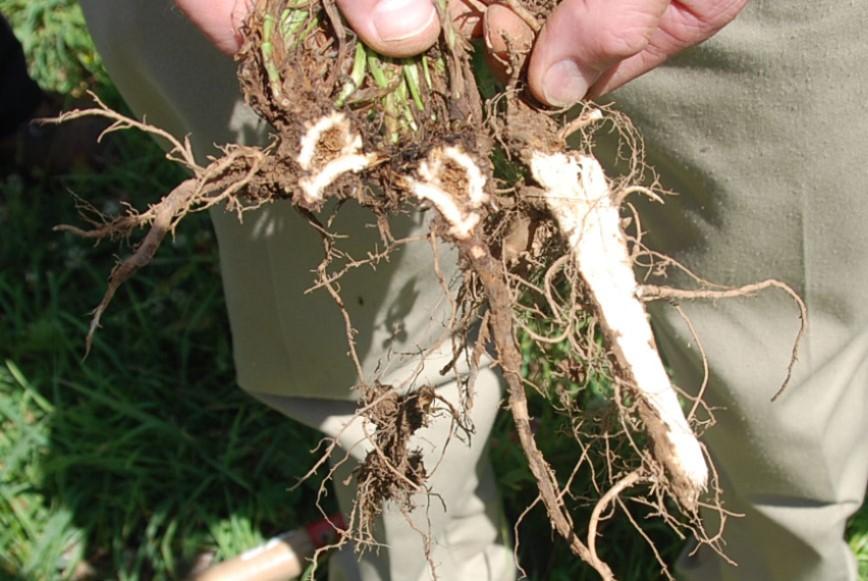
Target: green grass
(857, 534)
(137, 460)
(146, 454)
(59, 50)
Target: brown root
(223, 181)
(161, 225)
(652, 293)
(391, 472)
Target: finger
(507, 36)
(584, 38)
(220, 20)
(467, 16)
(395, 28)
(682, 25)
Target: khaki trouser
(463, 518)
(763, 131)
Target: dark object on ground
(25, 145)
(20, 96)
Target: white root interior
(578, 195)
(458, 214)
(314, 185)
(325, 172)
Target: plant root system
(546, 266)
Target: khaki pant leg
(463, 516)
(796, 469)
(763, 134)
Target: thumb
(395, 28)
(219, 20)
(584, 38)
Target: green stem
(357, 76)
(411, 78)
(401, 93)
(291, 23)
(267, 50)
(312, 23)
(402, 85)
(426, 72)
(377, 72)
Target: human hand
(590, 47)
(395, 28)
(585, 49)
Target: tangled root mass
(520, 207)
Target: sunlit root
(653, 292)
(578, 194)
(223, 181)
(164, 215)
(492, 275)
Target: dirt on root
(392, 471)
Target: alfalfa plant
(542, 249)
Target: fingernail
(565, 83)
(402, 19)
